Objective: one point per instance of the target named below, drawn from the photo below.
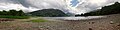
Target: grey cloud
(85, 6)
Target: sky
(67, 6)
(74, 3)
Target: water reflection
(73, 18)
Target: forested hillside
(48, 13)
(106, 10)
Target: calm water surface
(72, 18)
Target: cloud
(33, 5)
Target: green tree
(4, 12)
(21, 13)
(12, 12)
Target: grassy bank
(14, 17)
(37, 20)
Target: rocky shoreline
(111, 22)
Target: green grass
(38, 20)
(15, 17)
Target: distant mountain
(112, 9)
(48, 13)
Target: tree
(4, 12)
(1, 13)
(12, 13)
(21, 13)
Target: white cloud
(33, 5)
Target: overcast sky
(72, 6)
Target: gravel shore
(111, 22)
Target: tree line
(12, 12)
(106, 10)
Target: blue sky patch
(74, 3)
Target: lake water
(72, 18)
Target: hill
(106, 10)
(48, 13)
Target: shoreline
(111, 22)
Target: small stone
(93, 22)
(118, 25)
(90, 29)
(111, 22)
(89, 22)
